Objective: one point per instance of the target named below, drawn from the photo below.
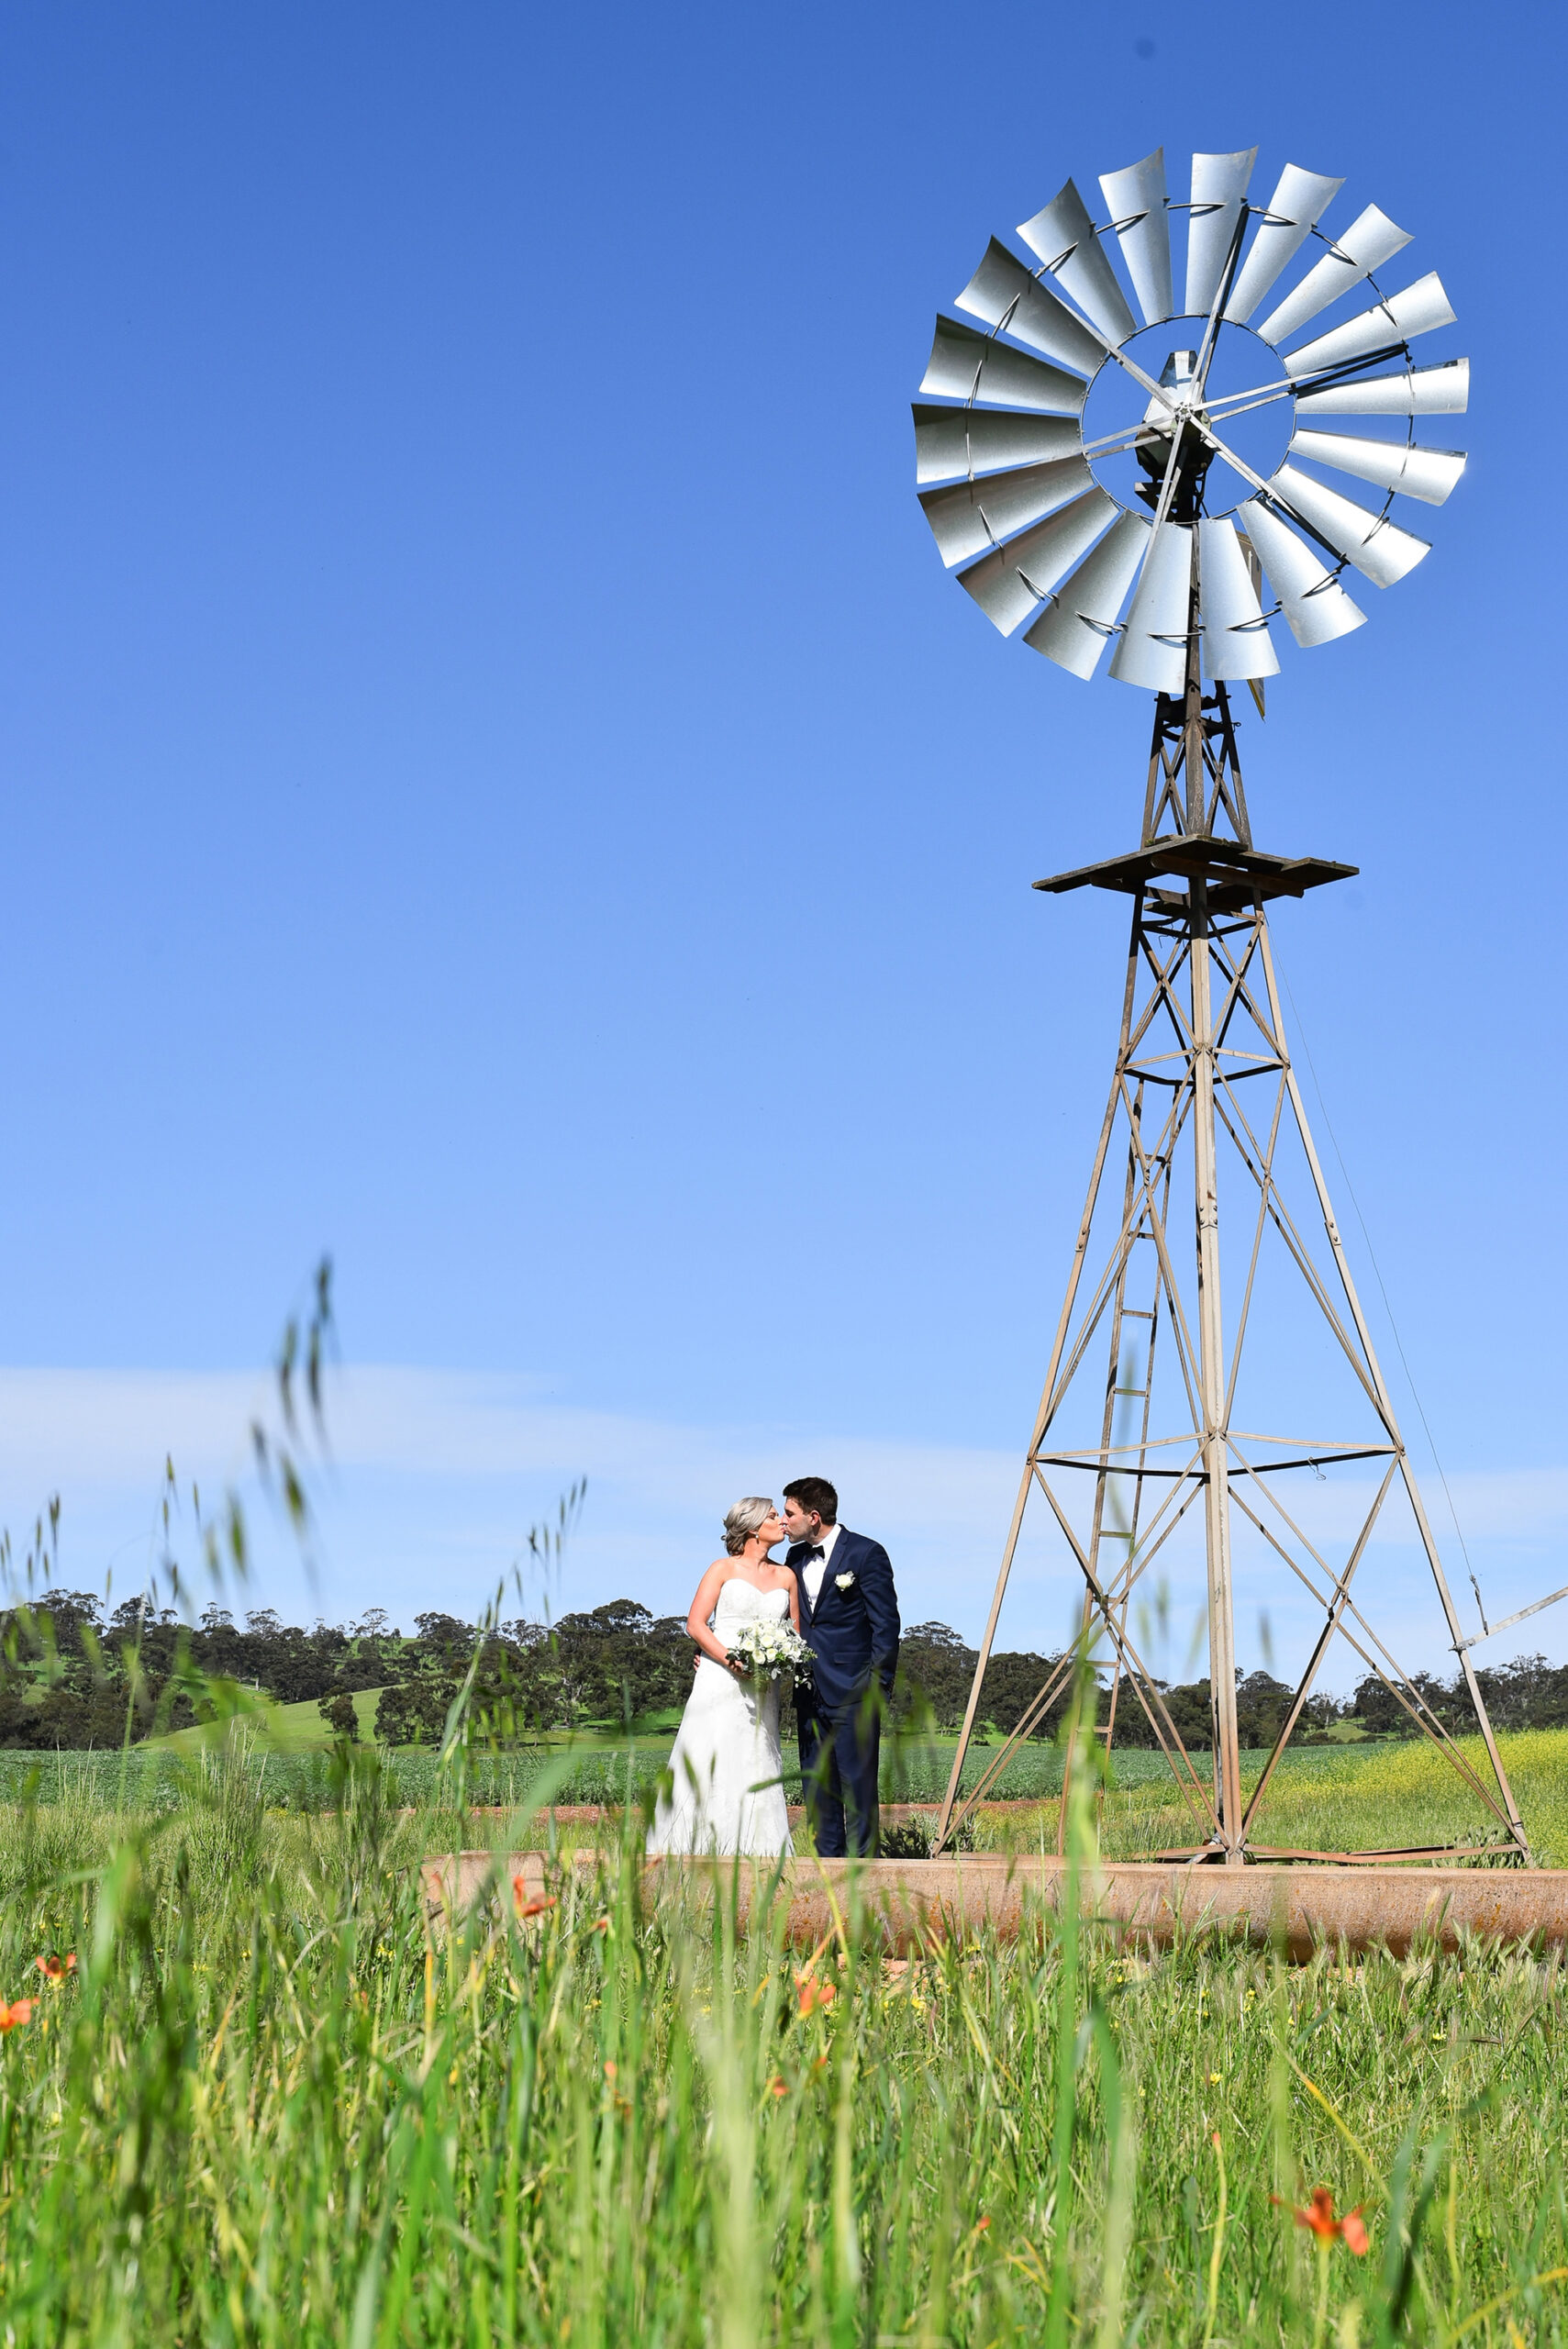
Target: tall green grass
(277, 2103)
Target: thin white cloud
(437, 1474)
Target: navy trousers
(839, 1750)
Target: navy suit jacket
(853, 1633)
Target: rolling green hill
(281, 1728)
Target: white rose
(843, 1581)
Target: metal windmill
(1154, 489)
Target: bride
(727, 1797)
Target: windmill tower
(1156, 489)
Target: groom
(848, 1617)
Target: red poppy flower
(20, 2011)
(55, 1969)
(814, 1994)
(1326, 2228)
(530, 1908)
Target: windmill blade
(1430, 474)
(976, 514)
(1219, 181)
(969, 366)
(1366, 244)
(1378, 548)
(1154, 648)
(1076, 625)
(968, 440)
(1293, 210)
(1413, 391)
(1137, 201)
(1236, 642)
(1004, 294)
(1316, 606)
(1008, 584)
(1063, 236)
(1418, 309)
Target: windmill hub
(1165, 425)
(1122, 417)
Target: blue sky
(496, 783)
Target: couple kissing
(828, 1611)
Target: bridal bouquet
(769, 1650)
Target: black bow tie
(817, 1552)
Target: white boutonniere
(843, 1581)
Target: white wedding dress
(727, 1796)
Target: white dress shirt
(815, 1568)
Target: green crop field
(292, 1762)
(1334, 1796)
(271, 2103)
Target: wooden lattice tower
(1201, 1019)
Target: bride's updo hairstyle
(743, 1521)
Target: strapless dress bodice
(740, 1601)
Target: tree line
(935, 1669)
(73, 1677)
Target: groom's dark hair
(815, 1493)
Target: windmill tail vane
(1110, 469)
